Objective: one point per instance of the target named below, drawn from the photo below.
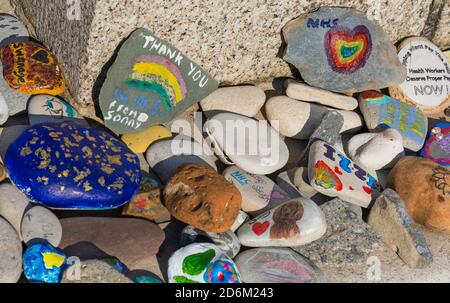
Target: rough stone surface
(233, 30)
(12, 205)
(93, 271)
(10, 253)
(348, 240)
(390, 219)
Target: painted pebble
(16, 101)
(67, 166)
(12, 205)
(30, 68)
(293, 223)
(250, 144)
(334, 175)
(11, 29)
(437, 145)
(40, 224)
(258, 191)
(381, 111)
(140, 141)
(276, 265)
(42, 263)
(48, 108)
(10, 253)
(202, 263)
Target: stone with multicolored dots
(202, 263)
(68, 166)
(339, 49)
(331, 173)
(149, 83)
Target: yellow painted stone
(52, 259)
(140, 141)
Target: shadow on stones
(281, 51)
(85, 251)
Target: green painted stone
(150, 83)
(181, 279)
(195, 264)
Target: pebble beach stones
(42, 263)
(381, 111)
(202, 263)
(150, 82)
(276, 265)
(250, 144)
(30, 68)
(427, 84)
(12, 205)
(40, 224)
(339, 49)
(334, 175)
(293, 223)
(67, 166)
(10, 253)
(11, 29)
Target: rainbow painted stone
(30, 68)
(68, 166)
(150, 83)
(437, 145)
(340, 50)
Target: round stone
(39, 224)
(10, 253)
(12, 205)
(43, 263)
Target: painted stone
(339, 49)
(146, 279)
(3, 174)
(424, 186)
(240, 219)
(67, 166)
(244, 100)
(93, 271)
(12, 205)
(427, 84)
(259, 193)
(48, 108)
(10, 253)
(301, 182)
(276, 265)
(437, 145)
(11, 29)
(293, 223)
(377, 150)
(201, 197)
(140, 141)
(147, 201)
(381, 111)
(30, 68)
(42, 263)
(299, 120)
(128, 239)
(334, 175)
(165, 156)
(149, 83)
(202, 263)
(226, 241)
(390, 219)
(250, 144)
(303, 92)
(40, 224)
(16, 101)
(4, 111)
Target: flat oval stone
(140, 141)
(250, 144)
(12, 205)
(293, 223)
(11, 28)
(437, 145)
(39, 224)
(31, 68)
(202, 263)
(4, 112)
(128, 239)
(43, 263)
(276, 265)
(67, 166)
(48, 108)
(244, 100)
(10, 253)
(16, 101)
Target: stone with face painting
(47, 108)
(68, 166)
(11, 28)
(202, 263)
(331, 173)
(293, 223)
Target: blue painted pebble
(42, 263)
(68, 166)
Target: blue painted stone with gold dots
(42, 263)
(68, 166)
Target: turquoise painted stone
(42, 263)
(68, 166)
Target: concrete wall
(237, 41)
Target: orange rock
(203, 198)
(424, 186)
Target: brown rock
(128, 239)
(424, 186)
(203, 198)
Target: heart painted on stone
(260, 228)
(325, 177)
(348, 50)
(367, 189)
(277, 195)
(337, 170)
